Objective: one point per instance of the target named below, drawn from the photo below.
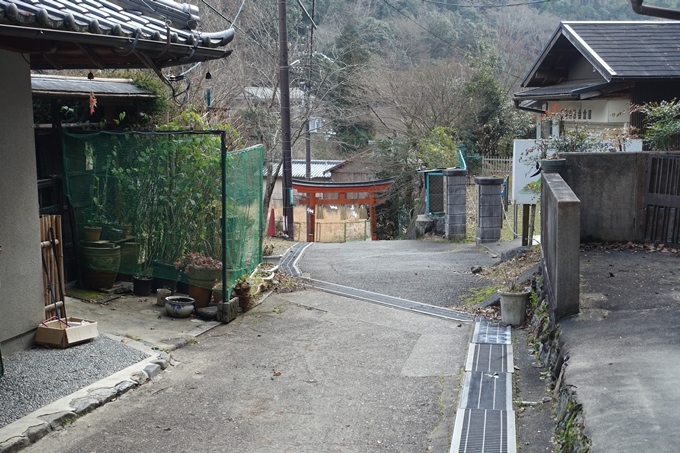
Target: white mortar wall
(21, 295)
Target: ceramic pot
(100, 265)
(179, 306)
(200, 293)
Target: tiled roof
(632, 49)
(145, 33)
(617, 51)
(52, 86)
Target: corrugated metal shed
(320, 168)
(69, 87)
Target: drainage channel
(291, 257)
(289, 265)
(397, 302)
(485, 420)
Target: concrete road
(435, 273)
(302, 372)
(624, 350)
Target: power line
(456, 5)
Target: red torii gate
(311, 188)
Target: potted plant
(141, 283)
(241, 290)
(202, 272)
(514, 298)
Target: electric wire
(418, 24)
(456, 5)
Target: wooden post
(525, 224)
(374, 223)
(311, 217)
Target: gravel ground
(40, 376)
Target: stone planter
(513, 307)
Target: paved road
(303, 372)
(624, 350)
(309, 371)
(436, 273)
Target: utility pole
(308, 143)
(288, 225)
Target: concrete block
(457, 209)
(456, 190)
(455, 172)
(489, 200)
(124, 386)
(490, 222)
(227, 311)
(84, 405)
(152, 370)
(488, 181)
(456, 219)
(487, 235)
(103, 395)
(58, 418)
(14, 444)
(36, 432)
(491, 211)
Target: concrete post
(489, 209)
(455, 199)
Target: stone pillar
(455, 199)
(489, 209)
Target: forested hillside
(411, 79)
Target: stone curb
(28, 429)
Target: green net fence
(170, 205)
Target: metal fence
(488, 166)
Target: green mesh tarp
(161, 196)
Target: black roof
(617, 50)
(81, 34)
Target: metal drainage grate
(484, 431)
(291, 258)
(483, 390)
(490, 357)
(390, 301)
(486, 332)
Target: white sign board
(524, 158)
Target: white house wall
(21, 295)
(606, 112)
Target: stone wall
(611, 187)
(560, 224)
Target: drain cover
(490, 357)
(487, 390)
(484, 431)
(486, 332)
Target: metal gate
(662, 218)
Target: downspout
(655, 11)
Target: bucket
(513, 307)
